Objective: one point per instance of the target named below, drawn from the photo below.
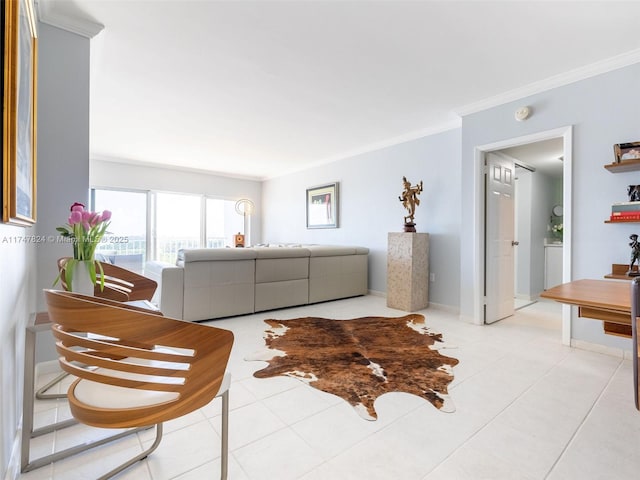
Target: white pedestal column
(408, 271)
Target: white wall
(142, 177)
(604, 111)
(523, 233)
(536, 193)
(16, 305)
(369, 207)
(544, 197)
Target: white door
(500, 231)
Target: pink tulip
(75, 217)
(106, 215)
(77, 207)
(96, 219)
(86, 226)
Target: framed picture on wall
(322, 206)
(19, 41)
(626, 151)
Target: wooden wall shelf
(624, 166)
(619, 271)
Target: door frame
(566, 133)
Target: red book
(625, 217)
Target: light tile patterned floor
(527, 408)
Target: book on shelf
(627, 203)
(629, 213)
(625, 217)
(626, 207)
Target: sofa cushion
(218, 288)
(281, 252)
(281, 294)
(208, 254)
(335, 250)
(281, 269)
(332, 277)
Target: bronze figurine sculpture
(635, 255)
(410, 200)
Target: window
(173, 221)
(222, 222)
(125, 243)
(177, 221)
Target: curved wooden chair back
(179, 364)
(120, 284)
(635, 337)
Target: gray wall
(63, 141)
(369, 207)
(604, 111)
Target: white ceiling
(263, 88)
(545, 156)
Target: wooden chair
(635, 337)
(120, 284)
(137, 368)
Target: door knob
(514, 243)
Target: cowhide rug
(360, 359)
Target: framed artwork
(626, 151)
(322, 206)
(20, 50)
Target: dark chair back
(635, 314)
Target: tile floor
(527, 408)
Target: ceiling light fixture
(523, 113)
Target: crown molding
(581, 73)
(176, 168)
(77, 25)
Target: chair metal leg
(54, 457)
(28, 431)
(137, 458)
(224, 454)
(41, 395)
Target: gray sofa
(221, 282)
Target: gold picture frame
(19, 88)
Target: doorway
(480, 290)
(538, 217)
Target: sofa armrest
(170, 294)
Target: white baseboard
(595, 347)
(444, 308)
(376, 293)
(467, 319)
(527, 298)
